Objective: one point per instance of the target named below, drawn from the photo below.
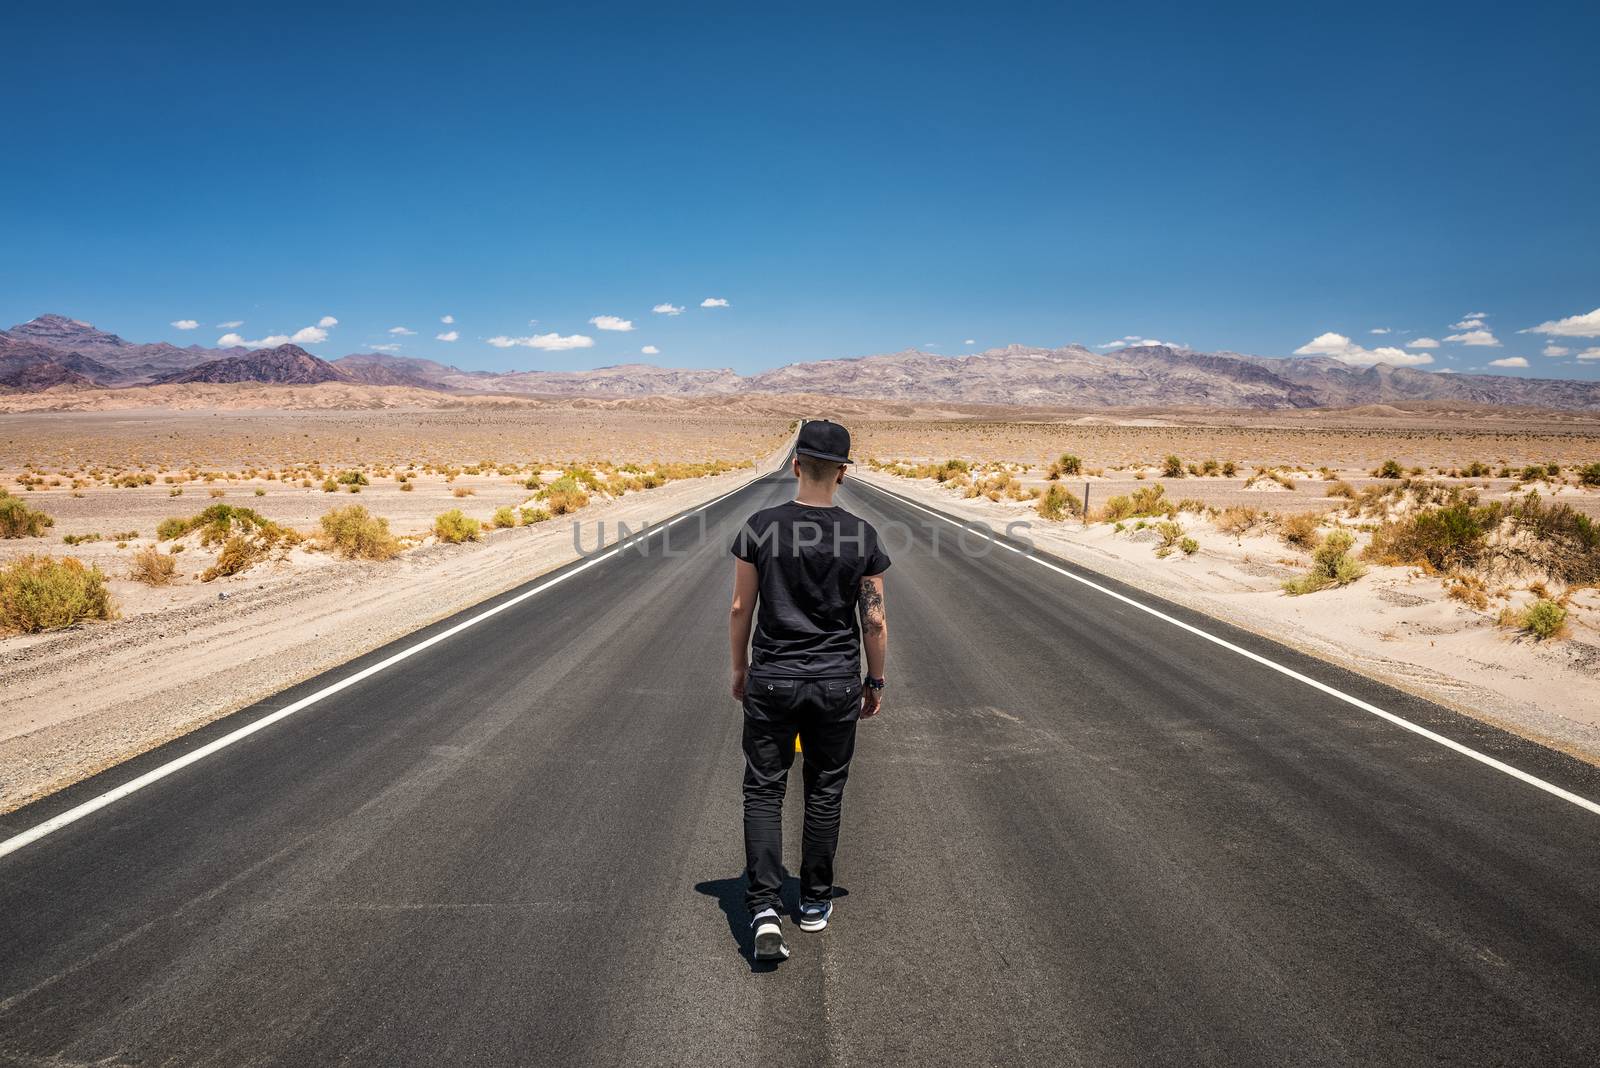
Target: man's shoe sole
(815, 925)
(769, 946)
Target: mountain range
(54, 352)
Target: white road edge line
(1415, 728)
(94, 804)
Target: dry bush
(1590, 475)
(534, 515)
(1058, 503)
(454, 527)
(504, 516)
(17, 520)
(1239, 520)
(1469, 589)
(1146, 502)
(407, 487)
(42, 593)
(1169, 533)
(1172, 467)
(462, 491)
(1543, 619)
(239, 552)
(152, 567)
(1300, 528)
(1331, 565)
(1388, 469)
(1342, 489)
(564, 495)
(355, 533)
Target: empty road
(1078, 834)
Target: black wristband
(872, 683)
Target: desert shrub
(1238, 521)
(1590, 475)
(1388, 469)
(42, 593)
(1229, 468)
(217, 522)
(1300, 528)
(1543, 619)
(454, 527)
(239, 552)
(1172, 467)
(358, 534)
(1190, 504)
(407, 487)
(534, 515)
(261, 491)
(1058, 503)
(504, 516)
(1533, 472)
(218, 491)
(1210, 467)
(1555, 539)
(17, 520)
(1270, 474)
(1469, 589)
(1146, 501)
(1068, 464)
(152, 567)
(1342, 489)
(1476, 469)
(1331, 565)
(1189, 546)
(564, 495)
(329, 485)
(462, 491)
(352, 478)
(1168, 532)
(1446, 538)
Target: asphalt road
(1077, 835)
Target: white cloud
(231, 324)
(1476, 315)
(185, 324)
(1132, 341)
(447, 319)
(714, 302)
(400, 331)
(306, 335)
(1481, 338)
(1572, 326)
(668, 309)
(1422, 343)
(384, 348)
(1557, 350)
(611, 322)
(448, 335)
(1381, 330)
(1344, 350)
(970, 341)
(327, 321)
(650, 350)
(1590, 354)
(549, 342)
(1509, 361)
(1469, 323)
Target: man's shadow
(730, 896)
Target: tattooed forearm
(873, 614)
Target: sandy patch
(1393, 624)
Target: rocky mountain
(131, 363)
(56, 350)
(1018, 374)
(381, 369)
(49, 366)
(285, 365)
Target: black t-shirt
(811, 561)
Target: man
(809, 575)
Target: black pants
(823, 713)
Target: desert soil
(79, 700)
(1394, 624)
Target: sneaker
(768, 930)
(814, 915)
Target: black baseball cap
(825, 441)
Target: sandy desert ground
(181, 654)
(1449, 638)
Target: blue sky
(855, 179)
